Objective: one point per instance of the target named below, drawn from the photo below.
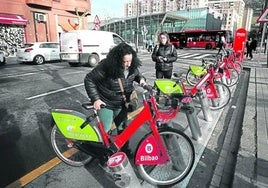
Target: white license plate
(65, 56)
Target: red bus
(208, 39)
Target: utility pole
(137, 27)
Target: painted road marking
(52, 92)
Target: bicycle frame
(210, 87)
(76, 126)
(152, 115)
(232, 59)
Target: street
(29, 92)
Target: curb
(225, 166)
(246, 159)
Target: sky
(108, 8)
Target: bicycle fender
(211, 91)
(148, 151)
(69, 122)
(167, 86)
(197, 70)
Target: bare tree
(80, 24)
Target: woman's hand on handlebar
(147, 87)
(98, 104)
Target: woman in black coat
(103, 88)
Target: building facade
(231, 11)
(148, 26)
(23, 21)
(146, 7)
(247, 19)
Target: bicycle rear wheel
(66, 151)
(223, 99)
(182, 156)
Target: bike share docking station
(190, 111)
(121, 171)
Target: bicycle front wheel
(224, 96)
(234, 77)
(237, 66)
(65, 149)
(182, 155)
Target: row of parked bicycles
(164, 155)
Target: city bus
(208, 39)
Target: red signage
(12, 19)
(97, 22)
(263, 17)
(240, 38)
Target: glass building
(138, 29)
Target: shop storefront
(12, 32)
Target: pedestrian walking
(222, 44)
(164, 54)
(249, 46)
(149, 45)
(254, 45)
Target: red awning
(12, 19)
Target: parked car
(2, 58)
(39, 52)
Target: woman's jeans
(107, 118)
(163, 74)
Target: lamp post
(137, 27)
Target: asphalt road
(28, 93)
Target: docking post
(191, 117)
(122, 172)
(204, 105)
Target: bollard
(122, 172)
(204, 105)
(191, 117)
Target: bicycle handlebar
(147, 87)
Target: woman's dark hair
(114, 60)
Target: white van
(87, 46)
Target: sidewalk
(252, 158)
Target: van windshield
(117, 39)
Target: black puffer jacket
(167, 51)
(102, 83)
